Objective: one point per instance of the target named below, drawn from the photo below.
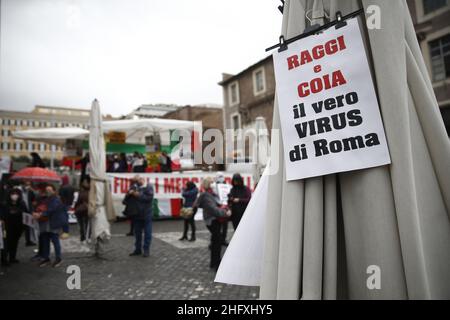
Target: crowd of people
(216, 214)
(48, 209)
(137, 163)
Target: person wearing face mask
(12, 217)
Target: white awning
(135, 129)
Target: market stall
(150, 137)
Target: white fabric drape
(322, 234)
(99, 222)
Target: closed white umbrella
(100, 203)
(323, 235)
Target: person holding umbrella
(51, 222)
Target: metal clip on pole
(283, 44)
(339, 21)
(281, 7)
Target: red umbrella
(36, 174)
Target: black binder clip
(283, 44)
(339, 21)
(281, 7)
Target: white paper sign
(223, 189)
(330, 119)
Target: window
(259, 81)
(5, 146)
(236, 121)
(433, 5)
(234, 93)
(30, 146)
(19, 146)
(5, 132)
(41, 147)
(440, 58)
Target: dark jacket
(82, 204)
(244, 194)
(140, 207)
(123, 166)
(131, 203)
(31, 197)
(210, 203)
(12, 214)
(67, 194)
(189, 195)
(145, 200)
(56, 213)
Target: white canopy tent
(52, 135)
(135, 129)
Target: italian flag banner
(167, 188)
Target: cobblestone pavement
(174, 270)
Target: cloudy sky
(128, 52)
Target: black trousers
(131, 226)
(235, 219)
(216, 244)
(83, 222)
(13, 233)
(187, 223)
(28, 234)
(224, 231)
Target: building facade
(431, 20)
(211, 117)
(40, 117)
(152, 111)
(247, 96)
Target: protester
(213, 211)
(220, 179)
(51, 222)
(139, 162)
(81, 208)
(189, 194)
(143, 220)
(109, 163)
(123, 163)
(36, 160)
(67, 196)
(11, 215)
(84, 162)
(238, 199)
(28, 197)
(131, 204)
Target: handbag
(186, 213)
